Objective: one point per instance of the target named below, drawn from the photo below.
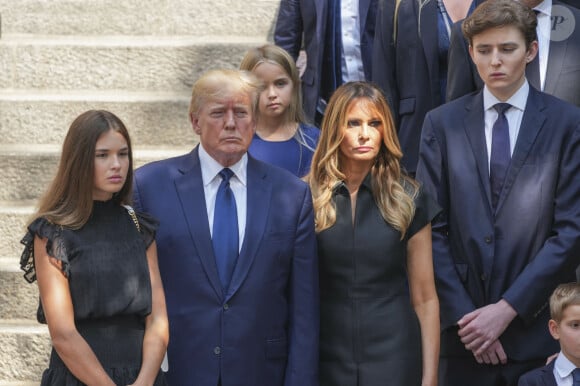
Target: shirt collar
(545, 7)
(563, 365)
(210, 168)
(518, 100)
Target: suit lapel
(556, 57)
(363, 10)
(258, 205)
(190, 190)
(474, 125)
(429, 36)
(532, 122)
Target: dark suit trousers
(463, 371)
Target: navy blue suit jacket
(264, 330)
(562, 72)
(407, 70)
(530, 244)
(543, 376)
(303, 23)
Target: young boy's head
(564, 324)
(502, 40)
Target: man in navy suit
(408, 67)
(557, 69)
(250, 316)
(506, 177)
(336, 50)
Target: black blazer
(407, 69)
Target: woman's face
(362, 134)
(111, 165)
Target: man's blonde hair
(216, 83)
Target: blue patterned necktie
(500, 152)
(576, 377)
(225, 229)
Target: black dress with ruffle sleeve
(106, 265)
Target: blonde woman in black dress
(96, 264)
(379, 316)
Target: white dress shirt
(210, 169)
(513, 115)
(563, 370)
(352, 65)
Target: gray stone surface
(13, 218)
(24, 351)
(156, 118)
(18, 298)
(116, 63)
(135, 17)
(26, 171)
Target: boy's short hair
(501, 13)
(564, 295)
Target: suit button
(226, 306)
(487, 239)
(483, 277)
(217, 350)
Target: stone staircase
(59, 58)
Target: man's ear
(532, 51)
(554, 329)
(195, 123)
(470, 47)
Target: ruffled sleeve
(426, 209)
(148, 226)
(55, 247)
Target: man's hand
(482, 327)
(494, 354)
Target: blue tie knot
(501, 108)
(226, 174)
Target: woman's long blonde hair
(392, 191)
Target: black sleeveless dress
(369, 332)
(106, 266)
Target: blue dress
(289, 154)
(106, 265)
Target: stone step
(13, 219)
(18, 298)
(26, 171)
(44, 116)
(24, 351)
(131, 63)
(136, 17)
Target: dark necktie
(225, 229)
(500, 152)
(576, 377)
(533, 68)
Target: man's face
(500, 56)
(225, 126)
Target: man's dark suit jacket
(407, 70)
(543, 376)
(530, 244)
(303, 23)
(562, 72)
(264, 329)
